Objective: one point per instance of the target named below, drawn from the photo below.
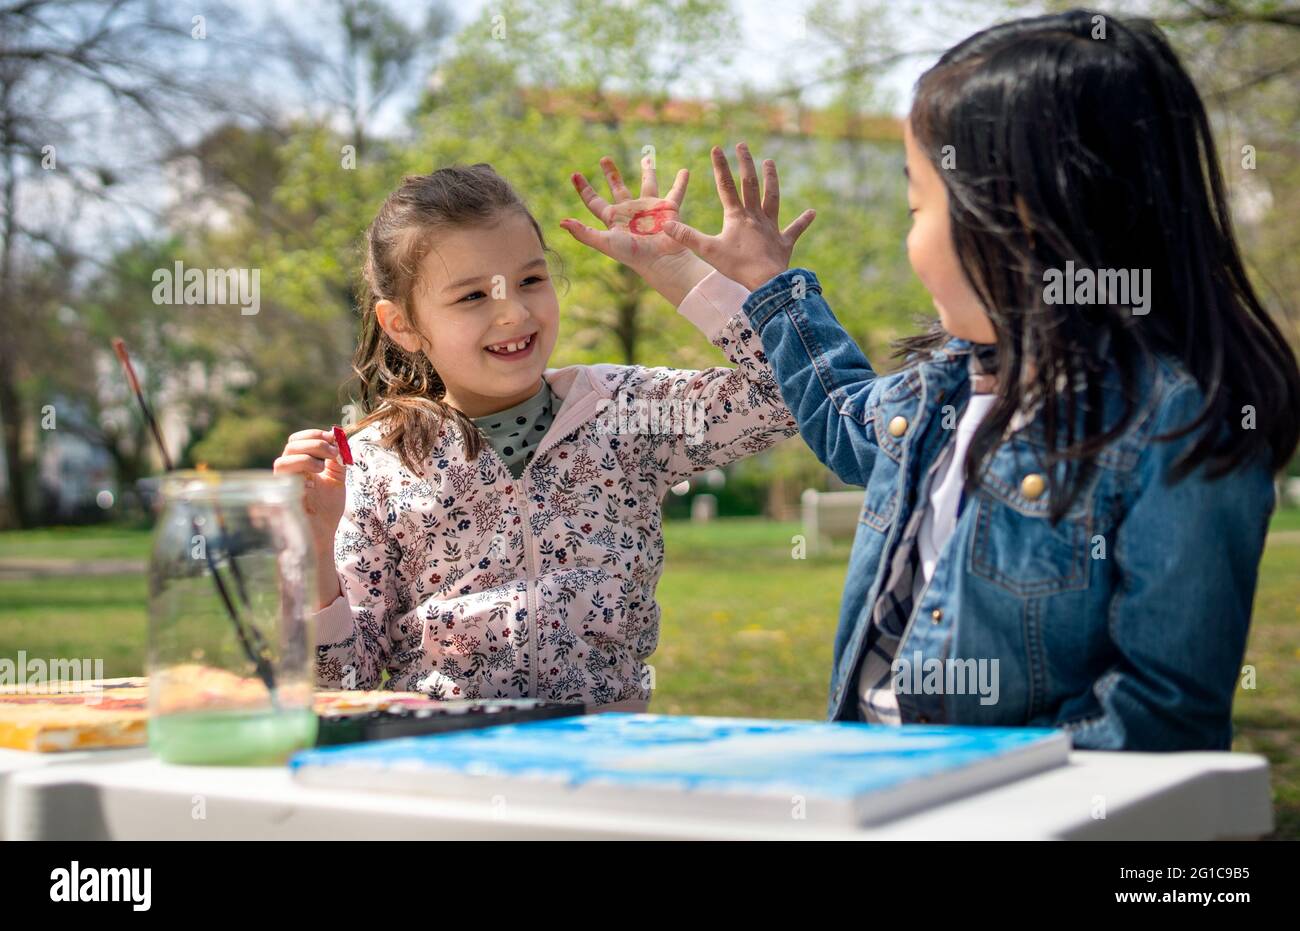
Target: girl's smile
(517, 348)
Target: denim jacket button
(1033, 485)
(923, 719)
(936, 615)
(898, 426)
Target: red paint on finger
(579, 182)
(341, 440)
(648, 222)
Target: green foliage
(562, 88)
(539, 89)
(236, 441)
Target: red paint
(119, 704)
(119, 347)
(578, 183)
(647, 222)
(103, 704)
(341, 441)
(43, 699)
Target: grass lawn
(1288, 519)
(98, 542)
(104, 617)
(746, 629)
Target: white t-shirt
(937, 525)
(945, 494)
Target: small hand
(633, 233)
(314, 455)
(751, 248)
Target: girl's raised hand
(634, 228)
(751, 248)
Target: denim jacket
(1124, 623)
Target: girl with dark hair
(1069, 482)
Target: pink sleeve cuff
(712, 302)
(333, 622)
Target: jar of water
(230, 653)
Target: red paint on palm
(649, 222)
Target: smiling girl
(500, 536)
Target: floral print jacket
(463, 582)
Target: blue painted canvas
(836, 768)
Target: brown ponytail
(398, 388)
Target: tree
(63, 64)
(541, 89)
(370, 54)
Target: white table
(19, 761)
(1144, 796)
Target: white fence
(829, 516)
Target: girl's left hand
(634, 234)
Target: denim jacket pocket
(897, 408)
(1015, 545)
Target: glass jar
(231, 670)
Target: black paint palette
(428, 716)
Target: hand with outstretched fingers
(633, 233)
(751, 248)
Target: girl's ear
(393, 320)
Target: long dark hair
(401, 388)
(1070, 143)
